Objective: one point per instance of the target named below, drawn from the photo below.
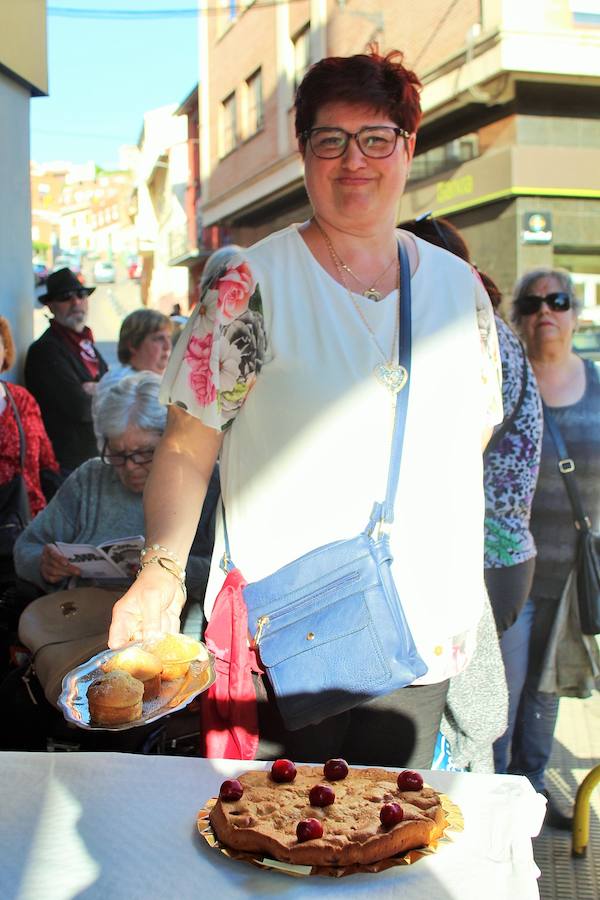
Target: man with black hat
(63, 368)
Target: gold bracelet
(149, 548)
(168, 565)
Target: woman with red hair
(289, 368)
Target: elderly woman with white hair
(101, 501)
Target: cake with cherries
(331, 815)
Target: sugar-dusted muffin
(176, 652)
(144, 666)
(115, 698)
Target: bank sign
(537, 228)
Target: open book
(116, 559)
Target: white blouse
(277, 355)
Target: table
(121, 827)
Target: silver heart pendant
(392, 376)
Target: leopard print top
(511, 468)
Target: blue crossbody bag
(329, 627)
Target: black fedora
(60, 283)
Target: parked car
(134, 268)
(40, 273)
(586, 342)
(104, 273)
(67, 261)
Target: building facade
(192, 244)
(23, 75)
(509, 146)
(159, 201)
(82, 212)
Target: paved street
(109, 304)
(576, 750)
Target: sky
(105, 73)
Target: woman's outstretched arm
(173, 499)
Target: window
(228, 125)
(438, 159)
(301, 54)
(254, 100)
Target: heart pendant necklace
(390, 374)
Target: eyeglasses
(531, 303)
(374, 141)
(138, 457)
(71, 295)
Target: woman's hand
(54, 566)
(153, 603)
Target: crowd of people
(279, 397)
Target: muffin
(176, 652)
(141, 665)
(115, 698)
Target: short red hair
(9, 344)
(366, 79)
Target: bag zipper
(264, 620)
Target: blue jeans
(525, 747)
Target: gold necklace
(369, 292)
(390, 374)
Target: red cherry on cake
(308, 830)
(321, 795)
(283, 770)
(410, 781)
(390, 814)
(335, 769)
(231, 790)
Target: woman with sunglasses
(289, 364)
(544, 310)
(102, 499)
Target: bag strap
(22, 441)
(497, 436)
(382, 513)
(566, 467)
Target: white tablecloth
(120, 827)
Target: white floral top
(276, 345)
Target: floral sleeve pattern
(491, 365)
(224, 346)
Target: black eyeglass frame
(123, 457)
(557, 301)
(398, 132)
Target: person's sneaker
(554, 817)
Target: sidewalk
(576, 751)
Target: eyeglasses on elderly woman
(530, 304)
(141, 457)
(375, 141)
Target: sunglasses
(531, 303)
(438, 230)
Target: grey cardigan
(91, 507)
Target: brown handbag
(63, 630)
